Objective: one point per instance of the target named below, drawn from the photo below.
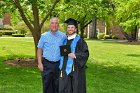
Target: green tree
(85, 11)
(81, 10)
(33, 12)
(127, 15)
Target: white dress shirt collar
(72, 36)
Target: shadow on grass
(112, 79)
(2, 59)
(134, 55)
(101, 78)
(19, 79)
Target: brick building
(102, 28)
(6, 19)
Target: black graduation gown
(75, 82)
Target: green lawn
(112, 67)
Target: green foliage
(7, 33)
(1, 15)
(127, 14)
(129, 25)
(0, 34)
(7, 30)
(81, 10)
(45, 27)
(101, 35)
(18, 35)
(21, 28)
(6, 6)
(8, 27)
(114, 37)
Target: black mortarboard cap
(71, 21)
(65, 50)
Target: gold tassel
(61, 73)
(73, 68)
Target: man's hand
(72, 55)
(40, 66)
(39, 57)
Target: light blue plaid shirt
(50, 44)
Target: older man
(49, 56)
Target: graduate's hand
(71, 55)
(40, 66)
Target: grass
(18, 79)
(112, 67)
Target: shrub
(100, 35)
(7, 33)
(114, 37)
(21, 28)
(0, 34)
(7, 27)
(18, 35)
(107, 37)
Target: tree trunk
(36, 38)
(82, 30)
(134, 34)
(94, 23)
(82, 33)
(125, 34)
(35, 43)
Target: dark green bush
(7, 33)
(107, 37)
(100, 35)
(18, 35)
(114, 37)
(0, 34)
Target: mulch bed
(22, 62)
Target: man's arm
(39, 57)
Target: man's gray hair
(54, 18)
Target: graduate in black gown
(72, 65)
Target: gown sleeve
(81, 53)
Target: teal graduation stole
(70, 60)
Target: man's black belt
(51, 61)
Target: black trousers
(50, 76)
